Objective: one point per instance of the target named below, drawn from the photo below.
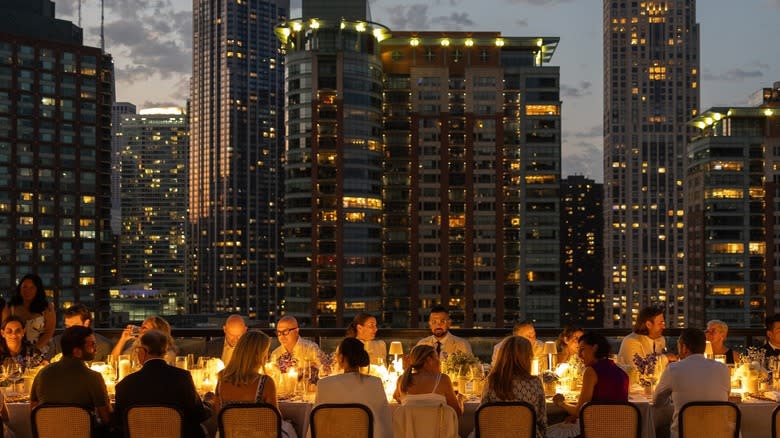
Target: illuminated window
(354, 216)
(328, 216)
(542, 110)
(757, 248)
(723, 194)
(458, 221)
(657, 73)
(727, 248)
(372, 203)
(727, 290)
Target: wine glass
(13, 372)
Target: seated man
(159, 383)
(301, 350)
(69, 380)
(526, 330)
(223, 347)
(647, 338)
(441, 339)
(79, 314)
(772, 345)
(693, 378)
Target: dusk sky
(151, 42)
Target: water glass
(180, 362)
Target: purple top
(612, 384)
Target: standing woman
(32, 307)
(363, 327)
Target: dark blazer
(214, 347)
(160, 383)
(769, 351)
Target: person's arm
(397, 393)
(664, 389)
(628, 348)
(126, 335)
(467, 346)
(49, 321)
(194, 406)
(589, 380)
(445, 388)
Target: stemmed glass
(13, 372)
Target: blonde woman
(126, 341)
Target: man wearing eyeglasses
(441, 339)
(301, 350)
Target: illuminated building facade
(731, 214)
(472, 178)
(333, 163)
(651, 90)
(236, 104)
(118, 110)
(582, 252)
(55, 147)
(153, 156)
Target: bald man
(223, 347)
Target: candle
(535, 367)
(124, 368)
(292, 380)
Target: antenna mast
(102, 35)
(79, 13)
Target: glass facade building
(55, 157)
(236, 102)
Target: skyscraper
(236, 102)
(118, 110)
(55, 154)
(582, 252)
(651, 90)
(153, 148)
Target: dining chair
(607, 419)
(430, 420)
(776, 422)
(61, 421)
(249, 420)
(711, 419)
(505, 419)
(347, 420)
(159, 421)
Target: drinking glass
(13, 372)
(181, 362)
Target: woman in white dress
(364, 328)
(423, 383)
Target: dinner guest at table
(159, 383)
(444, 342)
(223, 346)
(423, 382)
(603, 380)
(647, 338)
(70, 381)
(772, 345)
(36, 312)
(693, 378)
(293, 346)
(15, 346)
(716, 333)
(568, 343)
(79, 315)
(354, 387)
(363, 327)
(526, 330)
(510, 379)
(127, 340)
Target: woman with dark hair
(423, 382)
(602, 381)
(15, 346)
(355, 387)
(568, 343)
(363, 327)
(36, 312)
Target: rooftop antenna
(79, 13)
(102, 35)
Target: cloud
(735, 74)
(455, 20)
(416, 17)
(164, 104)
(592, 132)
(582, 158)
(575, 92)
(67, 8)
(522, 23)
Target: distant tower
(651, 90)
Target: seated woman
(716, 333)
(35, 311)
(511, 380)
(243, 380)
(354, 387)
(423, 381)
(15, 347)
(363, 327)
(127, 339)
(602, 381)
(568, 343)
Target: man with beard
(442, 340)
(69, 380)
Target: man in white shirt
(693, 378)
(223, 347)
(646, 339)
(526, 330)
(442, 340)
(302, 351)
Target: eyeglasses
(440, 321)
(285, 332)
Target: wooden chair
(711, 419)
(605, 419)
(425, 420)
(505, 419)
(158, 421)
(250, 420)
(776, 422)
(61, 421)
(349, 420)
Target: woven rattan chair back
(251, 420)
(349, 420)
(61, 421)
(153, 421)
(412, 421)
(505, 419)
(610, 419)
(776, 422)
(709, 419)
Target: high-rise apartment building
(153, 148)
(731, 199)
(236, 103)
(582, 252)
(472, 177)
(333, 163)
(118, 110)
(651, 90)
(55, 155)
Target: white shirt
(692, 379)
(449, 344)
(304, 351)
(642, 345)
(358, 388)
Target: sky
(151, 42)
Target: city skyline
(152, 39)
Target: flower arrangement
(549, 377)
(454, 362)
(646, 367)
(286, 361)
